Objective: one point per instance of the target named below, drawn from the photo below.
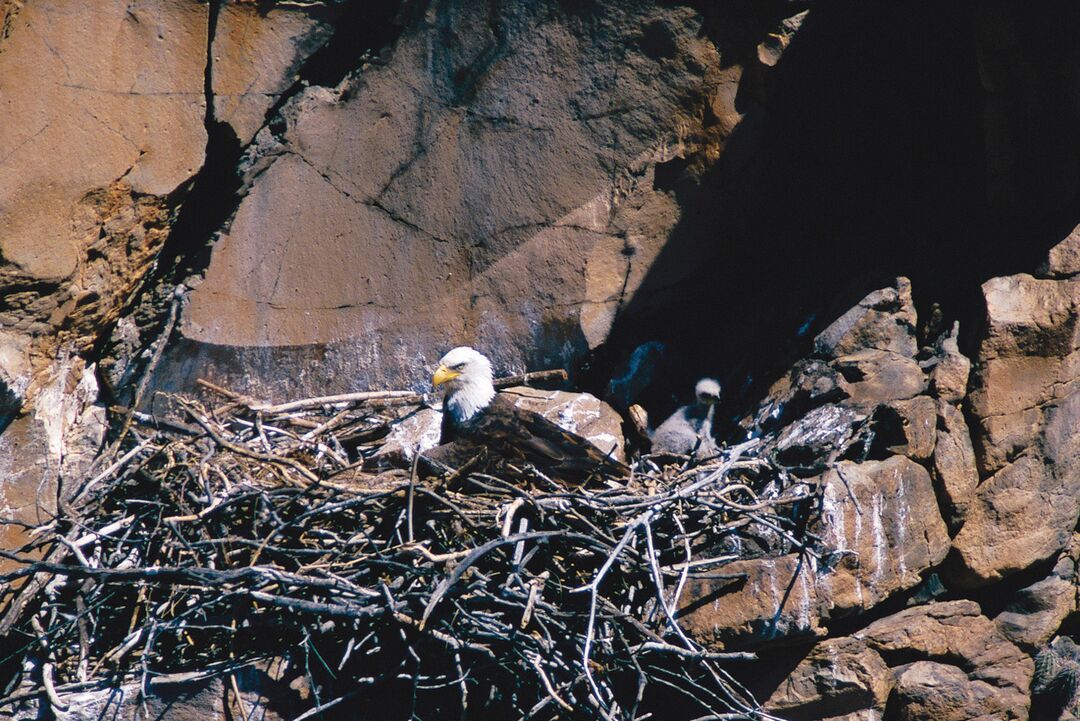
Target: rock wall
(973, 530)
(305, 198)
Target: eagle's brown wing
(516, 433)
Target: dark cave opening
(890, 140)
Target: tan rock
(131, 108)
(949, 376)
(778, 600)
(1021, 515)
(915, 420)
(839, 676)
(1064, 258)
(956, 633)
(884, 320)
(1036, 612)
(881, 520)
(876, 376)
(1029, 316)
(414, 209)
(257, 56)
(928, 690)
(580, 413)
(953, 471)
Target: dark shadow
(863, 155)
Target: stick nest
(247, 533)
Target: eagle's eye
(457, 366)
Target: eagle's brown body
(518, 435)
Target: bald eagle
(476, 417)
(689, 429)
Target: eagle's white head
(468, 379)
(707, 391)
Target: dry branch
(261, 531)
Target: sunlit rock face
(492, 186)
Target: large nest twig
(251, 531)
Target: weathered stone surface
(814, 441)
(1036, 612)
(1027, 404)
(135, 112)
(954, 472)
(881, 519)
(471, 195)
(949, 376)
(777, 600)
(1064, 258)
(808, 385)
(415, 433)
(257, 56)
(839, 676)
(884, 320)
(580, 413)
(37, 450)
(1020, 515)
(875, 376)
(263, 692)
(929, 690)
(956, 633)
(915, 422)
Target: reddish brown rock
(884, 320)
(778, 599)
(1036, 612)
(927, 690)
(580, 413)
(356, 244)
(875, 376)
(839, 676)
(257, 56)
(1021, 515)
(1064, 258)
(950, 373)
(953, 470)
(1027, 403)
(956, 633)
(915, 420)
(881, 520)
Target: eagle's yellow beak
(442, 375)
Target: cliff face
(295, 199)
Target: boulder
(876, 376)
(812, 443)
(776, 600)
(951, 368)
(1026, 402)
(953, 470)
(909, 426)
(1021, 515)
(1064, 258)
(955, 633)
(884, 320)
(1036, 612)
(580, 413)
(880, 519)
(839, 676)
(938, 691)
